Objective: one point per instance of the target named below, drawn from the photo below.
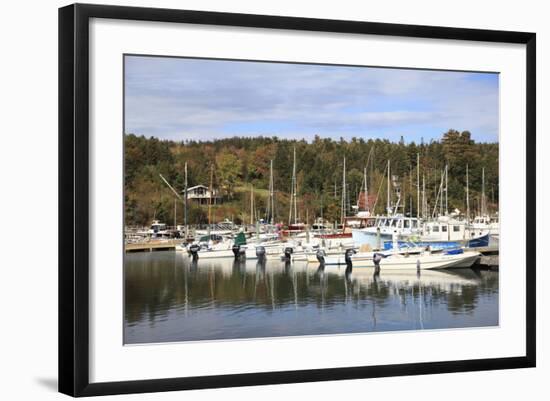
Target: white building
(201, 194)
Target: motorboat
(412, 259)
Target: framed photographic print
(251, 199)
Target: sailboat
(294, 227)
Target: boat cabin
(451, 230)
(397, 222)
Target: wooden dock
(153, 245)
(489, 258)
(488, 250)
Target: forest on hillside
(235, 165)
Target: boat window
(414, 223)
(407, 223)
(456, 228)
(435, 229)
(394, 223)
(444, 229)
(388, 223)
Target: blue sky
(180, 99)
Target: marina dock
(152, 246)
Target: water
(167, 298)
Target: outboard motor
(347, 257)
(288, 253)
(347, 274)
(236, 251)
(260, 253)
(376, 258)
(194, 251)
(321, 256)
(260, 268)
(321, 269)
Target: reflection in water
(170, 298)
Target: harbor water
(168, 298)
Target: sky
(199, 99)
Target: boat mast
(366, 196)
(388, 192)
(343, 207)
(446, 190)
(251, 204)
(483, 200)
(411, 191)
(322, 221)
(270, 201)
(439, 197)
(418, 185)
(185, 201)
(210, 196)
(175, 193)
(467, 197)
(293, 193)
(441, 189)
(424, 205)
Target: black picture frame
(74, 198)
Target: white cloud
(180, 97)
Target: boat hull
(430, 261)
(404, 262)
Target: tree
(228, 171)
(241, 161)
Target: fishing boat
(156, 230)
(457, 258)
(338, 256)
(406, 260)
(304, 251)
(489, 224)
(270, 250)
(214, 246)
(384, 228)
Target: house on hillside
(202, 195)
